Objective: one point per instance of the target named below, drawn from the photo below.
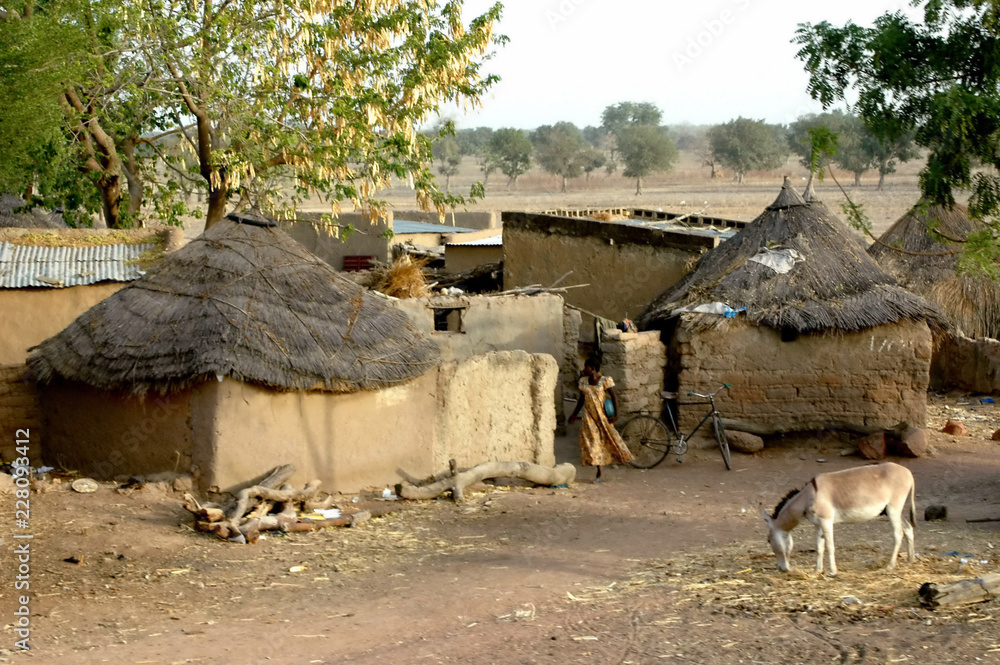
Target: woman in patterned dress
(600, 443)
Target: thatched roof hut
(816, 334)
(921, 251)
(245, 301)
(834, 285)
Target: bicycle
(649, 440)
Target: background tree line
(632, 137)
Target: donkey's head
(781, 542)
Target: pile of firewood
(268, 505)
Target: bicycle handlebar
(709, 395)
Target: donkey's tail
(913, 504)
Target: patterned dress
(600, 443)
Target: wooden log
(962, 592)
(458, 481)
(245, 496)
(767, 430)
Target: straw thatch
(243, 300)
(835, 287)
(929, 237)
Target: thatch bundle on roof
(246, 301)
(921, 250)
(834, 285)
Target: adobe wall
(486, 219)
(635, 361)
(496, 323)
(496, 407)
(347, 441)
(624, 266)
(33, 315)
(367, 239)
(20, 408)
(458, 257)
(966, 364)
(875, 378)
(103, 435)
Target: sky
(701, 62)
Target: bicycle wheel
(647, 440)
(720, 438)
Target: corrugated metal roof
(27, 266)
(491, 241)
(404, 226)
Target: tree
(448, 156)
(618, 116)
(745, 145)
(887, 151)
(473, 142)
(510, 150)
(326, 98)
(559, 150)
(645, 150)
(76, 101)
(591, 160)
(936, 80)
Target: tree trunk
(447, 182)
(457, 481)
(739, 177)
(133, 177)
(638, 186)
(110, 188)
(857, 178)
(715, 173)
(563, 188)
(881, 181)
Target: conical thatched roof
(243, 300)
(929, 237)
(833, 284)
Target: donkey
(851, 495)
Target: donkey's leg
(910, 547)
(828, 537)
(896, 520)
(820, 544)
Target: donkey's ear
(767, 518)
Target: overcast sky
(700, 61)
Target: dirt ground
(664, 565)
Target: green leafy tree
(617, 116)
(745, 145)
(559, 150)
(509, 150)
(319, 100)
(644, 150)
(592, 159)
(935, 79)
(77, 103)
(472, 142)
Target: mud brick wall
(875, 378)
(635, 361)
(19, 409)
(966, 364)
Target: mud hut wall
(635, 361)
(105, 435)
(965, 363)
(347, 441)
(496, 323)
(20, 409)
(486, 219)
(458, 257)
(33, 315)
(496, 407)
(878, 377)
(367, 240)
(624, 266)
